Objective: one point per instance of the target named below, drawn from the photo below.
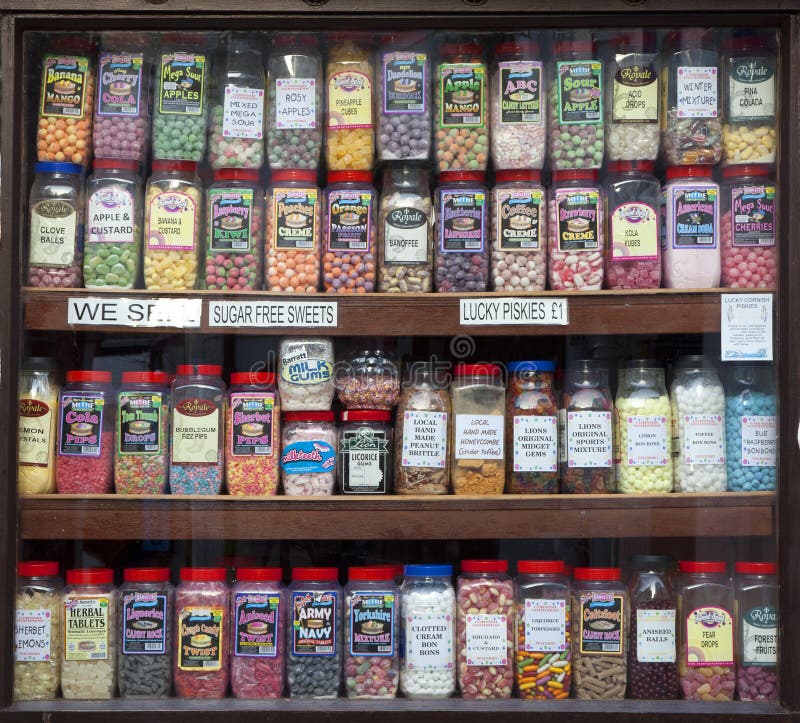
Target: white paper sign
(533, 311)
(704, 439)
(268, 313)
(487, 637)
(759, 441)
(243, 112)
(545, 626)
(535, 443)
(295, 103)
(424, 439)
(746, 327)
(589, 439)
(655, 636)
(479, 436)
(32, 636)
(647, 440)
(429, 641)
(697, 92)
(178, 313)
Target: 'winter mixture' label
(697, 92)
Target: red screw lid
(380, 573)
(466, 50)
(468, 370)
(366, 415)
(702, 567)
(747, 169)
(745, 42)
(323, 416)
(203, 574)
(89, 376)
(575, 46)
(533, 174)
(163, 165)
(263, 574)
(285, 41)
(121, 164)
(597, 573)
(294, 174)
(145, 378)
(454, 176)
(90, 576)
(756, 568)
(576, 174)
(261, 379)
(623, 166)
(398, 570)
(484, 566)
(540, 567)
(145, 574)
(689, 171)
(206, 370)
(311, 574)
(517, 47)
(236, 174)
(344, 176)
(37, 568)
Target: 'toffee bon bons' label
(709, 637)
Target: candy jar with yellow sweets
(38, 405)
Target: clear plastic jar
(531, 428)
(519, 232)
(39, 390)
(234, 230)
(258, 612)
(305, 373)
(198, 404)
(37, 642)
(202, 606)
(141, 462)
(643, 422)
(690, 246)
(89, 627)
(308, 454)
(294, 230)
(55, 244)
(314, 633)
(757, 628)
(173, 217)
(586, 430)
(461, 256)
(371, 633)
(368, 379)
(600, 604)
(477, 455)
(146, 600)
(85, 451)
(544, 630)
(252, 434)
(576, 228)
(706, 623)
(519, 114)
(698, 426)
(428, 657)
(350, 233)
(366, 452)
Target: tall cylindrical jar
(308, 454)
(305, 369)
(366, 450)
(38, 426)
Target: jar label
(32, 635)
(694, 210)
(655, 636)
(634, 233)
(519, 219)
(462, 95)
(759, 441)
(635, 94)
(760, 636)
(181, 83)
(171, 222)
(64, 81)
(753, 215)
(54, 226)
(144, 623)
(520, 92)
(243, 112)
(295, 103)
(256, 631)
(487, 640)
(252, 423)
(81, 424)
(372, 623)
(697, 92)
(461, 225)
(200, 639)
(110, 216)
(230, 215)
(535, 443)
(405, 236)
(709, 637)
(588, 437)
(86, 627)
(579, 222)
(429, 641)
(349, 220)
(349, 100)
(364, 454)
(294, 214)
(315, 457)
(299, 368)
(479, 436)
(120, 84)
(751, 90)
(404, 83)
(704, 439)
(580, 92)
(195, 432)
(314, 622)
(139, 423)
(545, 626)
(35, 420)
(602, 616)
(647, 440)
(424, 439)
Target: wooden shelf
(122, 517)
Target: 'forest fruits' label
(256, 628)
(314, 622)
(760, 636)
(709, 637)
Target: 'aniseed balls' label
(655, 636)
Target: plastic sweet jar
(258, 617)
(55, 243)
(751, 428)
(461, 256)
(652, 661)
(37, 642)
(544, 630)
(305, 373)
(643, 424)
(371, 633)
(203, 633)
(89, 655)
(39, 390)
(85, 443)
(368, 379)
(198, 410)
(477, 460)
(146, 610)
(428, 655)
(141, 459)
(600, 604)
(314, 633)
(586, 430)
(698, 426)
(757, 627)
(531, 428)
(706, 624)
(747, 229)
(308, 454)
(366, 451)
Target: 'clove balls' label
(314, 622)
(200, 639)
(144, 616)
(54, 226)
(256, 632)
(601, 624)
(372, 623)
